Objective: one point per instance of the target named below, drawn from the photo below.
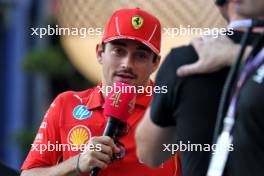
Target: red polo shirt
(73, 118)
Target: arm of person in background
(214, 54)
(158, 126)
(88, 160)
(150, 140)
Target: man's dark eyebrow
(118, 43)
(139, 47)
(145, 48)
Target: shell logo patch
(81, 112)
(137, 21)
(79, 135)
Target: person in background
(186, 115)
(248, 155)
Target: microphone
(119, 104)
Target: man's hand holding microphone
(118, 106)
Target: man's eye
(141, 55)
(118, 51)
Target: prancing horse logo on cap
(137, 21)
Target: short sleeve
(42, 152)
(166, 106)
(162, 104)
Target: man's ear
(156, 64)
(99, 52)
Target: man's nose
(127, 61)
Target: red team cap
(134, 24)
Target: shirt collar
(96, 99)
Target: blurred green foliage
(50, 62)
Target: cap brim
(145, 42)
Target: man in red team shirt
(129, 53)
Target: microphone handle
(110, 129)
(95, 171)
